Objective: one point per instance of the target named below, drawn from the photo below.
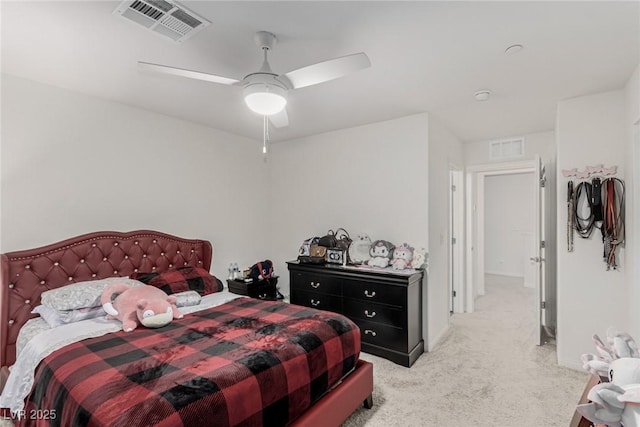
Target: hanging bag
(343, 241)
(329, 240)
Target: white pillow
(81, 294)
(60, 317)
(49, 315)
(187, 298)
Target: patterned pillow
(186, 299)
(81, 294)
(182, 279)
(56, 318)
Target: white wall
(370, 179)
(74, 164)
(590, 130)
(445, 151)
(509, 223)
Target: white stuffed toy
(402, 257)
(359, 249)
(617, 402)
(419, 257)
(380, 252)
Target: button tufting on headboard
(26, 274)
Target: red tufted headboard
(26, 274)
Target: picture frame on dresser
(385, 304)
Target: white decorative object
(590, 171)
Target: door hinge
(543, 304)
(543, 182)
(543, 244)
(453, 293)
(453, 240)
(453, 187)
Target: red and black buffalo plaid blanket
(244, 363)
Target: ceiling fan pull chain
(265, 134)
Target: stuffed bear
(146, 305)
(381, 252)
(402, 257)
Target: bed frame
(26, 274)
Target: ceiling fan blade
(180, 72)
(328, 70)
(280, 119)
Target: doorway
(476, 256)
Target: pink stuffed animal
(402, 257)
(146, 304)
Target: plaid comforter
(247, 362)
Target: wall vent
(166, 18)
(506, 148)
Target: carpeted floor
(487, 371)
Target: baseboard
(438, 337)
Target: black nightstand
(262, 289)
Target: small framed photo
(335, 256)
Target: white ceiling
(428, 56)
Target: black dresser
(386, 305)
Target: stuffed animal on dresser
(402, 257)
(419, 257)
(381, 252)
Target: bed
(305, 384)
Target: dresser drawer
(315, 283)
(376, 292)
(382, 335)
(378, 313)
(316, 300)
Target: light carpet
(486, 371)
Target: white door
(540, 243)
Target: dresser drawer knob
(370, 332)
(315, 303)
(315, 285)
(369, 294)
(366, 313)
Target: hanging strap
(613, 225)
(570, 216)
(583, 224)
(596, 199)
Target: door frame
(456, 266)
(475, 185)
(635, 227)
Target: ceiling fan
(265, 92)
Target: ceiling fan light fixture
(265, 99)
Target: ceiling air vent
(506, 148)
(167, 18)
